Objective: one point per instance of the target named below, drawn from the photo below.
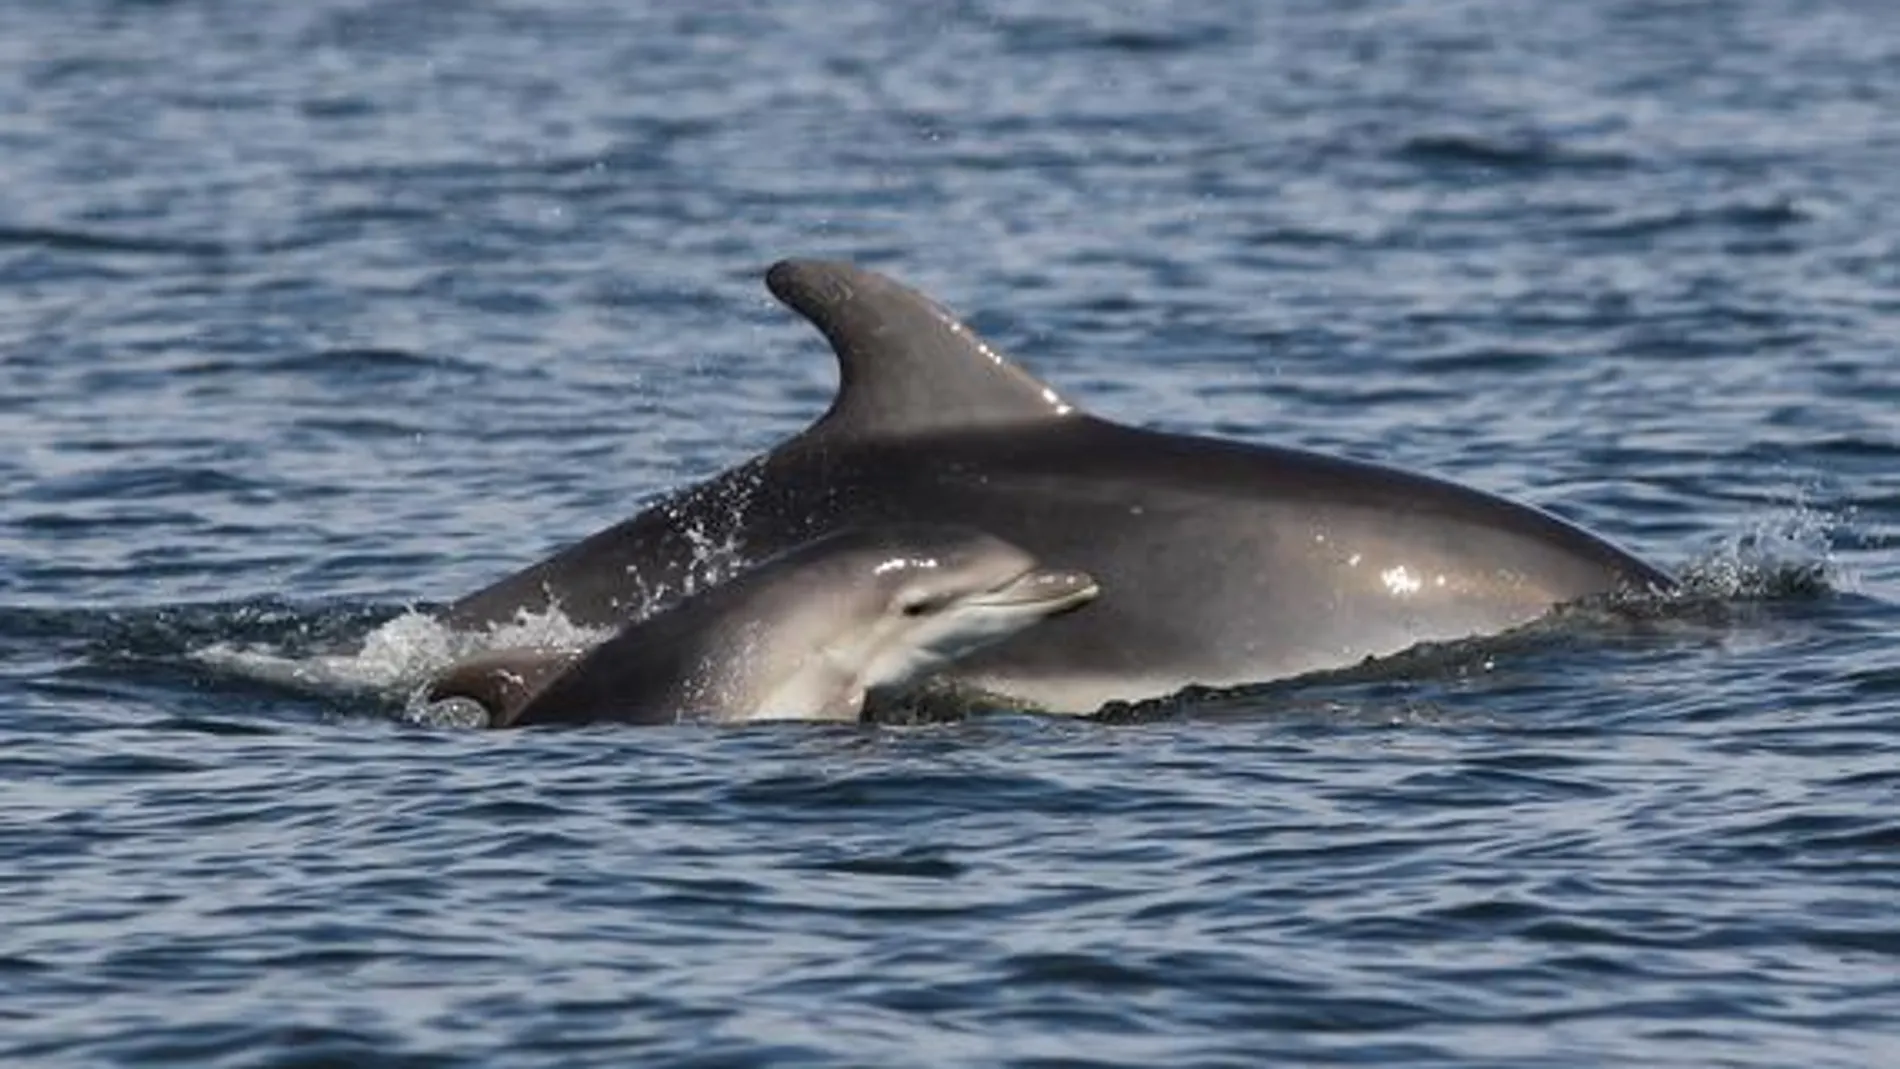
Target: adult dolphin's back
(1220, 562)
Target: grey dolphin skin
(1221, 563)
(499, 683)
(804, 635)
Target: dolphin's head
(938, 593)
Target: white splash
(1788, 552)
(396, 658)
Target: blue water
(313, 313)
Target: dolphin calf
(1221, 563)
(806, 635)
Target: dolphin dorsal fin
(905, 363)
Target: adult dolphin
(1221, 563)
(805, 635)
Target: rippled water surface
(313, 313)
